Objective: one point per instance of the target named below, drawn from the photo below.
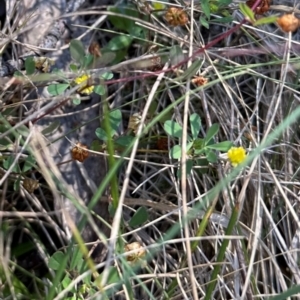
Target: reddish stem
(207, 46)
(142, 76)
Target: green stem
(221, 254)
(203, 224)
(111, 160)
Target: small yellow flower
(158, 5)
(86, 89)
(236, 155)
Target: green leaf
(55, 72)
(23, 130)
(115, 118)
(111, 210)
(175, 152)
(211, 157)
(139, 218)
(107, 75)
(223, 146)
(123, 23)
(87, 279)
(120, 55)
(77, 51)
(199, 144)
(165, 117)
(212, 131)
(153, 108)
(29, 66)
(5, 144)
(8, 162)
(76, 100)
(76, 260)
(173, 129)
(113, 276)
(57, 89)
(265, 20)
(224, 2)
(56, 260)
(247, 12)
(23, 248)
(195, 122)
(18, 74)
(7, 112)
(19, 288)
(51, 128)
(119, 42)
(198, 151)
(192, 70)
(106, 58)
(189, 146)
(88, 61)
(96, 146)
(124, 141)
(73, 68)
(29, 163)
(100, 90)
(189, 167)
(288, 293)
(203, 21)
(205, 7)
(66, 282)
(101, 134)
(17, 184)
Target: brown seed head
(176, 16)
(200, 80)
(162, 143)
(288, 23)
(134, 122)
(262, 8)
(139, 251)
(94, 49)
(30, 185)
(79, 152)
(156, 64)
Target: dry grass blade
(196, 200)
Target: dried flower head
(79, 152)
(236, 155)
(87, 88)
(288, 23)
(162, 143)
(139, 251)
(262, 8)
(156, 64)
(176, 16)
(134, 122)
(30, 185)
(94, 49)
(43, 63)
(200, 80)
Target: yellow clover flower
(85, 89)
(236, 155)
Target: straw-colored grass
(214, 232)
